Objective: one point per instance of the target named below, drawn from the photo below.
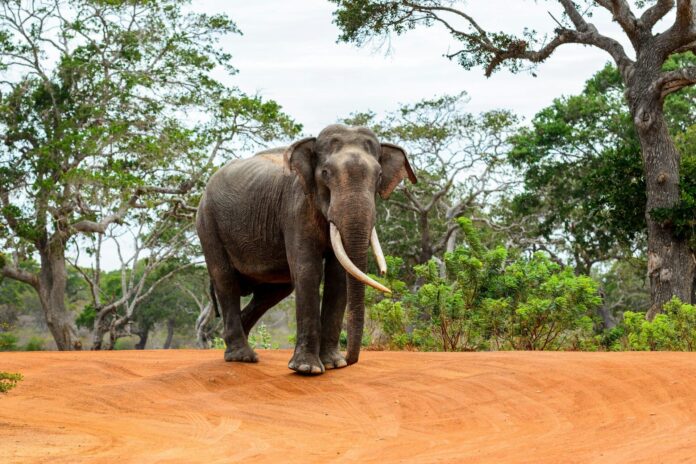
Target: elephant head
(341, 171)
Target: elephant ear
(395, 167)
(300, 159)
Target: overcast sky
(289, 53)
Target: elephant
(284, 219)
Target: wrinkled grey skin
(263, 223)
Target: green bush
(86, 317)
(260, 337)
(8, 381)
(8, 340)
(34, 344)
(481, 298)
(536, 304)
(672, 330)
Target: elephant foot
(241, 354)
(306, 363)
(333, 360)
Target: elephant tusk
(352, 269)
(377, 250)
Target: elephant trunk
(356, 317)
(351, 236)
(356, 241)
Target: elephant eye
(325, 173)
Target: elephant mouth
(350, 267)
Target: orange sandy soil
(190, 407)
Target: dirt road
(190, 407)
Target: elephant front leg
(307, 277)
(333, 306)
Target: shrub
(672, 330)
(260, 337)
(536, 304)
(34, 344)
(389, 314)
(8, 340)
(481, 298)
(8, 381)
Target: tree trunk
(670, 264)
(426, 246)
(52, 284)
(170, 334)
(144, 334)
(608, 319)
(202, 322)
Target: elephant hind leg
(265, 297)
(227, 285)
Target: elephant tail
(213, 298)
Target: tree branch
(655, 13)
(682, 32)
(21, 275)
(622, 14)
(672, 81)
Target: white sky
(289, 53)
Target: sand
(189, 406)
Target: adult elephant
(284, 218)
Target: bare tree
(148, 255)
(671, 267)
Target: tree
(99, 111)
(175, 302)
(584, 189)
(647, 81)
(157, 254)
(459, 158)
(583, 178)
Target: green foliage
(488, 298)
(8, 381)
(8, 340)
(583, 175)
(218, 344)
(86, 317)
(260, 337)
(543, 305)
(585, 191)
(672, 330)
(123, 344)
(34, 344)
